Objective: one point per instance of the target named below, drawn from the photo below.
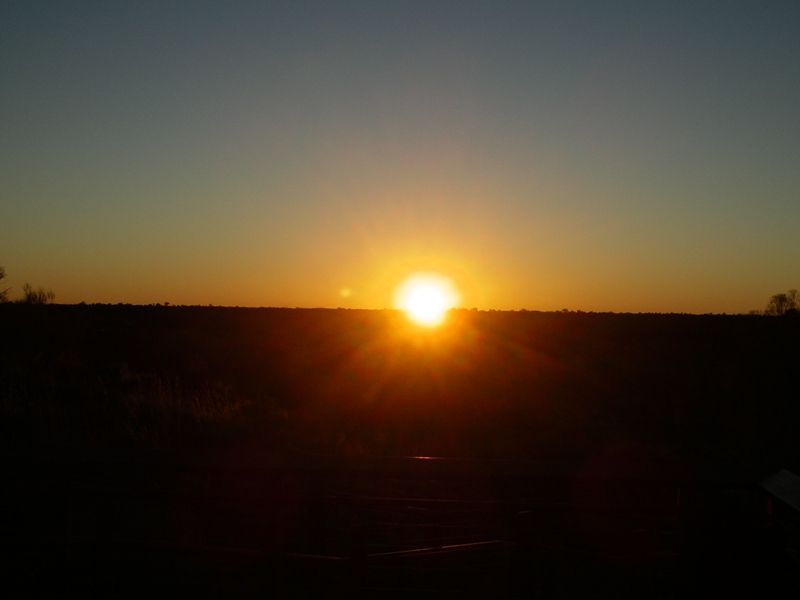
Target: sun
(426, 298)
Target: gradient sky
(628, 156)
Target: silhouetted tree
(781, 304)
(38, 296)
(3, 292)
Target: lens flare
(426, 298)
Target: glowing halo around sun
(426, 298)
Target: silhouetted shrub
(36, 296)
(3, 292)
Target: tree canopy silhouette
(782, 304)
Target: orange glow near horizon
(426, 298)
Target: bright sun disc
(426, 298)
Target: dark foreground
(127, 524)
(250, 452)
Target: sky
(599, 156)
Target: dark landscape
(299, 451)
